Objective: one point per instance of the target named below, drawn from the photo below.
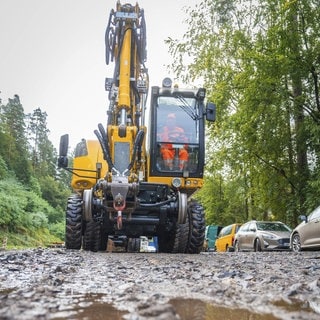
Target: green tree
(259, 62)
(43, 153)
(14, 146)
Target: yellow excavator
(134, 181)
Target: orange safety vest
(173, 135)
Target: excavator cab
(177, 131)
(177, 141)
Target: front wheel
(257, 245)
(74, 222)
(296, 243)
(197, 227)
(236, 247)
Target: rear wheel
(181, 238)
(133, 245)
(175, 240)
(74, 222)
(197, 227)
(296, 243)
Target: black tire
(92, 236)
(181, 238)
(133, 245)
(197, 227)
(103, 239)
(175, 240)
(236, 247)
(296, 243)
(73, 236)
(257, 246)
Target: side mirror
(64, 145)
(303, 218)
(63, 151)
(211, 112)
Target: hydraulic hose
(137, 144)
(102, 137)
(109, 32)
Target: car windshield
(265, 226)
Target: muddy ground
(61, 284)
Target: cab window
(177, 134)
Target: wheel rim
(183, 208)
(87, 197)
(296, 244)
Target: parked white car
(307, 234)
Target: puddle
(294, 306)
(192, 309)
(91, 307)
(94, 308)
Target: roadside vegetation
(260, 63)
(32, 192)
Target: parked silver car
(307, 234)
(262, 235)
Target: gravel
(55, 283)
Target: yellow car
(225, 238)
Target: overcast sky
(53, 56)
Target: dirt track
(58, 284)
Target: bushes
(22, 210)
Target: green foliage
(56, 195)
(32, 195)
(20, 207)
(14, 147)
(28, 238)
(260, 64)
(42, 152)
(3, 168)
(11, 212)
(58, 229)
(24, 211)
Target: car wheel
(296, 243)
(257, 245)
(230, 249)
(236, 247)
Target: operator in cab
(172, 134)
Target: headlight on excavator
(166, 83)
(176, 182)
(82, 184)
